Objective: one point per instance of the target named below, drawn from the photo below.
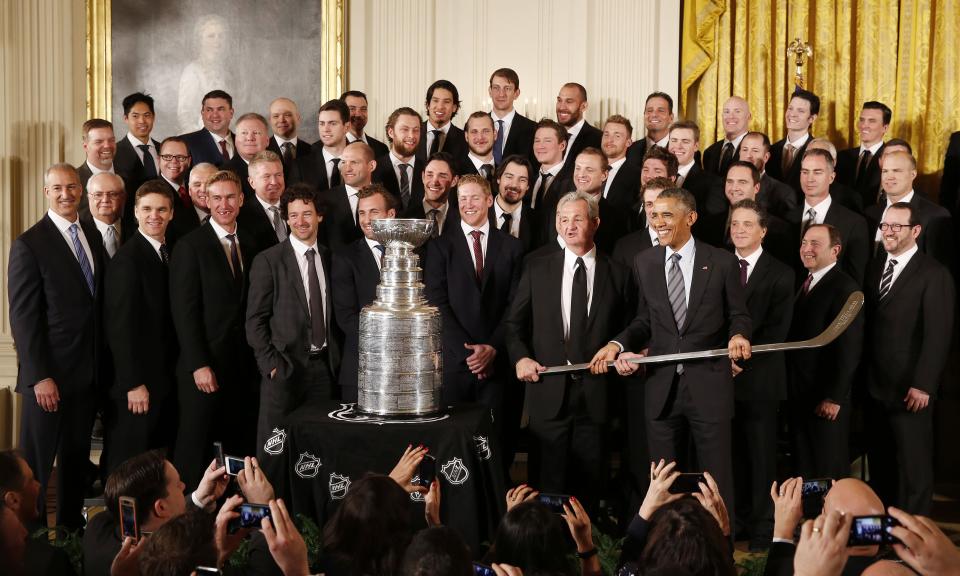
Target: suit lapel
(702, 265)
(759, 271)
(66, 253)
(908, 271)
(554, 291)
(493, 252)
(289, 262)
(462, 246)
(599, 287)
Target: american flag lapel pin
(704, 268)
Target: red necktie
(184, 195)
(478, 252)
(805, 289)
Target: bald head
(735, 117)
(823, 144)
(887, 568)
(852, 496)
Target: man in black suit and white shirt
(785, 154)
(55, 280)
(910, 312)
(322, 168)
(356, 273)
(197, 213)
(622, 188)
(139, 327)
(571, 105)
(735, 117)
(568, 303)
(285, 120)
(340, 226)
(657, 118)
(859, 167)
(554, 179)
(356, 102)
(683, 141)
(290, 322)
(175, 171)
(480, 134)
(774, 196)
(107, 199)
(437, 133)
(100, 148)
(510, 213)
(214, 142)
(251, 139)
(646, 236)
(514, 130)
(400, 170)
(439, 178)
(260, 216)
(138, 155)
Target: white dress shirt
(216, 141)
(485, 233)
(612, 173)
(566, 285)
(102, 228)
(736, 143)
(751, 260)
(820, 210)
(353, 200)
(819, 274)
(299, 250)
(156, 245)
(516, 215)
(507, 123)
(94, 170)
(222, 236)
(372, 245)
(479, 162)
(149, 143)
(430, 128)
(328, 159)
(873, 149)
(687, 253)
(63, 225)
(441, 213)
(551, 176)
(410, 171)
(573, 132)
(902, 261)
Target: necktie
(278, 226)
(110, 241)
(478, 253)
(887, 280)
(498, 144)
(149, 166)
(680, 179)
(787, 160)
(164, 254)
(507, 225)
(805, 289)
(743, 271)
(82, 258)
(487, 170)
(289, 152)
(318, 328)
(725, 157)
(404, 184)
(335, 179)
(678, 295)
(382, 251)
(235, 258)
(435, 145)
(223, 150)
(576, 350)
(862, 165)
(810, 221)
(434, 216)
(184, 196)
(541, 190)
(656, 240)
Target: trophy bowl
(410, 231)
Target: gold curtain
(903, 53)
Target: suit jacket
(849, 197)
(625, 188)
(313, 169)
(589, 136)
(239, 167)
(379, 148)
(715, 313)
(56, 322)
(546, 208)
(127, 165)
(138, 320)
(855, 249)
(712, 155)
(255, 221)
(534, 327)
(776, 197)
(782, 239)
(520, 138)
(627, 248)
(827, 372)
(472, 311)
(910, 330)
(385, 174)
(338, 227)
(775, 168)
(950, 184)
(208, 304)
(291, 170)
(450, 224)
(185, 220)
(528, 229)
(637, 151)
(278, 321)
(769, 294)
(355, 275)
(936, 232)
(847, 173)
(454, 144)
(706, 188)
(203, 148)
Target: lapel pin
(704, 268)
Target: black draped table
(320, 452)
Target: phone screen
(128, 518)
(427, 471)
(872, 530)
(483, 570)
(250, 517)
(687, 483)
(234, 465)
(812, 494)
(554, 502)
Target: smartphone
(872, 530)
(250, 517)
(234, 465)
(218, 453)
(427, 471)
(554, 502)
(812, 494)
(128, 518)
(483, 570)
(687, 483)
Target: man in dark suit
(356, 102)
(261, 216)
(340, 227)
(480, 133)
(437, 133)
(936, 227)
(208, 289)
(514, 130)
(251, 139)
(285, 121)
(657, 118)
(439, 178)
(290, 318)
(175, 171)
(139, 328)
(847, 196)
(568, 303)
(821, 380)
(571, 105)
(401, 170)
(138, 155)
(189, 218)
(859, 167)
(689, 298)
(622, 188)
(589, 176)
(658, 163)
(910, 311)
(774, 196)
(735, 117)
(356, 273)
(820, 208)
(785, 154)
(684, 143)
(322, 167)
(761, 382)
(100, 147)
(55, 281)
(554, 180)
(510, 213)
(214, 142)
(107, 199)
(645, 236)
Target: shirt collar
(156, 245)
(281, 141)
(96, 170)
(821, 209)
(61, 222)
(221, 233)
(176, 186)
(616, 164)
(137, 143)
(299, 247)
(478, 162)
(327, 155)
(574, 130)
(589, 259)
(736, 141)
(751, 259)
(443, 209)
(799, 142)
(467, 229)
(553, 171)
(397, 161)
(687, 251)
(684, 170)
(445, 129)
(902, 259)
(267, 206)
(507, 119)
(819, 274)
(873, 149)
(907, 198)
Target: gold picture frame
(333, 41)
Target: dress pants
(900, 455)
(822, 446)
(637, 452)
(755, 464)
(129, 434)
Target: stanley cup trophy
(401, 361)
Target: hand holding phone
(250, 517)
(554, 502)
(812, 493)
(427, 471)
(234, 465)
(687, 483)
(872, 530)
(128, 518)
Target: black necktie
(435, 145)
(289, 153)
(235, 258)
(507, 225)
(487, 170)
(862, 166)
(335, 179)
(541, 190)
(164, 254)
(318, 328)
(887, 280)
(743, 271)
(404, 185)
(725, 157)
(576, 349)
(149, 166)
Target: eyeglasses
(894, 227)
(110, 195)
(172, 157)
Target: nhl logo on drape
(483, 447)
(274, 444)
(455, 471)
(307, 466)
(416, 495)
(338, 486)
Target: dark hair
(443, 157)
(375, 189)
(555, 126)
(173, 139)
(437, 551)
(509, 73)
(899, 142)
(668, 158)
(93, 124)
(622, 120)
(763, 137)
(477, 115)
(156, 186)
(449, 87)
(684, 535)
(520, 159)
(833, 231)
(180, 545)
(663, 95)
(217, 94)
(12, 478)
(371, 527)
(686, 198)
(300, 191)
(401, 111)
(254, 116)
(754, 173)
(531, 537)
(898, 205)
(579, 87)
(748, 204)
(338, 106)
(874, 105)
(142, 478)
(825, 154)
(132, 99)
(354, 94)
(810, 97)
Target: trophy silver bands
(401, 360)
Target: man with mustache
(401, 170)
(509, 212)
(439, 178)
(356, 101)
(571, 105)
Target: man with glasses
(107, 197)
(174, 169)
